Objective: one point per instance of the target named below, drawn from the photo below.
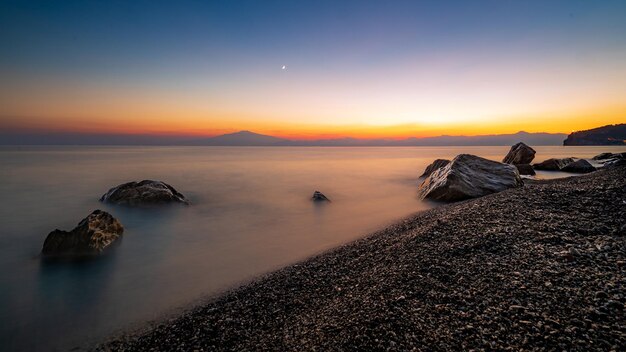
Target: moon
(284, 67)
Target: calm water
(251, 214)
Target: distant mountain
(247, 138)
(487, 140)
(605, 135)
(241, 138)
(18, 137)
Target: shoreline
(516, 269)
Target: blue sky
(222, 59)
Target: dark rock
(144, 192)
(609, 160)
(319, 197)
(519, 153)
(438, 163)
(93, 234)
(469, 176)
(614, 163)
(525, 169)
(580, 166)
(603, 156)
(553, 164)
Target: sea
(251, 213)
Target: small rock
(601, 295)
(319, 197)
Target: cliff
(606, 135)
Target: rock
(93, 234)
(553, 164)
(319, 197)
(519, 153)
(614, 163)
(603, 156)
(469, 176)
(580, 166)
(610, 160)
(144, 192)
(434, 166)
(525, 169)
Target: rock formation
(553, 164)
(143, 193)
(469, 176)
(580, 166)
(519, 153)
(93, 234)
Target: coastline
(541, 266)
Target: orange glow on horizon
(194, 127)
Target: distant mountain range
(605, 135)
(247, 138)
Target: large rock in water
(469, 176)
(553, 164)
(580, 166)
(93, 234)
(519, 153)
(144, 192)
(434, 166)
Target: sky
(364, 69)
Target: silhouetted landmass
(10, 137)
(241, 138)
(247, 138)
(605, 135)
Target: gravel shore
(541, 267)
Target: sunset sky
(352, 68)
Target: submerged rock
(519, 153)
(319, 197)
(144, 192)
(525, 169)
(580, 166)
(434, 166)
(93, 234)
(469, 176)
(553, 164)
